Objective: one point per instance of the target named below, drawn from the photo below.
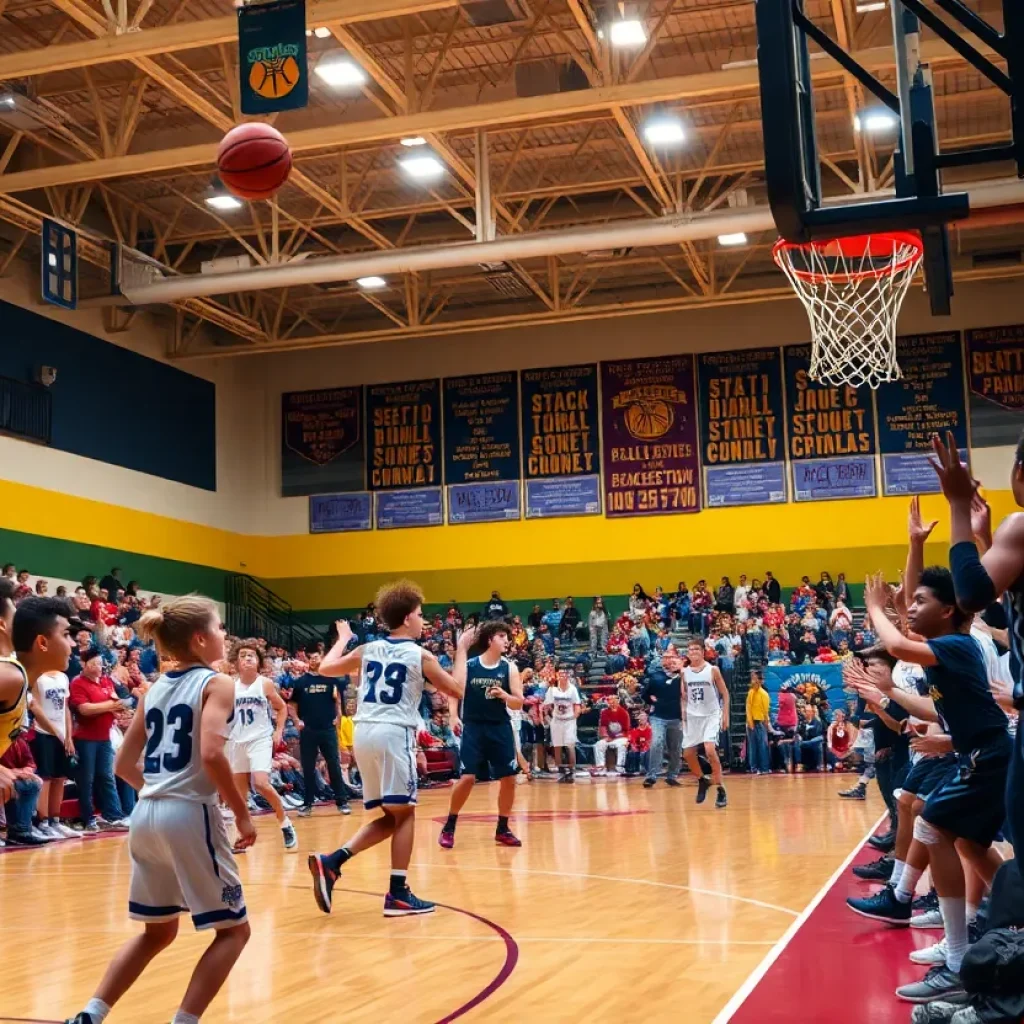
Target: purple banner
(650, 446)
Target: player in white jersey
(704, 719)
(260, 715)
(391, 677)
(180, 853)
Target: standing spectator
(111, 583)
(495, 608)
(758, 708)
(612, 731)
(681, 603)
(772, 588)
(725, 597)
(638, 601)
(94, 702)
(21, 808)
(741, 593)
(316, 704)
(825, 591)
(570, 621)
(700, 605)
(727, 646)
(598, 623)
(553, 619)
(52, 749)
(533, 620)
(662, 691)
(842, 588)
(10, 572)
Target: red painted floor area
(839, 967)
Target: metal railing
(253, 610)
(26, 410)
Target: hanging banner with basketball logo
(322, 441)
(649, 416)
(560, 455)
(927, 400)
(995, 372)
(743, 444)
(831, 434)
(481, 447)
(273, 73)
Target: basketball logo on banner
(272, 67)
(649, 412)
(273, 71)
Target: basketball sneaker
(505, 839)
(930, 955)
(65, 831)
(929, 919)
(934, 1013)
(82, 1018)
(722, 800)
(649, 783)
(406, 905)
(877, 871)
(929, 901)
(883, 906)
(939, 983)
(703, 785)
(323, 881)
(291, 840)
(305, 810)
(858, 792)
(446, 840)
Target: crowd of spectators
(111, 668)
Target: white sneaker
(39, 834)
(121, 825)
(46, 829)
(67, 833)
(930, 955)
(929, 919)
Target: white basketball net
(852, 291)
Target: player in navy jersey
(391, 675)
(967, 810)
(493, 688)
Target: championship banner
(560, 442)
(273, 73)
(649, 416)
(831, 432)
(322, 441)
(403, 425)
(743, 444)
(995, 368)
(481, 447)
(929, 399)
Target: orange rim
(882, 245)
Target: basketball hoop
(852, 289)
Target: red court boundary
(835, 965)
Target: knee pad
(927, 835)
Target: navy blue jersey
(958, 685)
(1013, 603)
(476, 705)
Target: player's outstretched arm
(215, 727)
(442, 680)
(876, 595)
(336, 662)
(126, 764)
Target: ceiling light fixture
(422, 168)
(875, 121)
(371, 283)
(736, 238)
(664, 131)
(411, 141)
(322, 32)
(223, 201)
(340, 71)
(866, 8)
(628, 32)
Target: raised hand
(918, 530)
(876, 592)
(954, 477)
(981, 519)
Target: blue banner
(272, 69)
(560, 415)
(569, 496)
(826, 677)
(483, 503)
(749, 484)
(823, 479)
(403, 429)
(339, 513)
(831, 434)
(743, 445)
(929, 399)
(322, 441)
(409, 508)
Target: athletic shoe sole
(955, 996)
(893, 922)
(320, 893)
(410, 912)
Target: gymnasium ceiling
(105, 94)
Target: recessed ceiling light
(340, 71)
(875, 121)
(51, 259)
(865, 8)
(628, 32)
(371, 283)
(322, 32)
(8, 100)
(224, 202)
(736, 238)
(422, 167)
(664, 131)
(414, 140)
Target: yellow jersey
(13, 715)
(346, 732)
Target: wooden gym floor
(623, 904)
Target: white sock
(897, 872)
(97, 1009)
(908, 883)
(181, 1017)
(954, 920)
(972, 913)
(286, 822)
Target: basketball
(253, 160)
(649, 420)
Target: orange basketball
(253, 160)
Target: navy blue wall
(114, 405)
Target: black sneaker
(82, 1018)
(883, 906)
(723, 800)
(703, 785)
(305, 811)
(649, 783)
(565, 777)
(858, 792)
(929, 901)
(877, 871)
(323, 881)
(24, 839)
(939, 983)
(291, 840)
(672, 781)
(884, 843)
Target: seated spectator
(553, 617)
(840, 621)
(42, 588)
(639, 745)
(612, 731)
(441, 731)
(533, 620)
(701, 603)
(22, 590)
(103, 610)
(495, 608)
(809, 743)
(681, 603)
(725, 597)
(840, 738)
(21, 808)
(547, 638)
(638, 601)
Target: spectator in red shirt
(22, 590)
(639, 745)
(613, 731)
(103, 609)
(22, 808)
(94, 703)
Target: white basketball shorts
(563, 732)
(249, 756)
(700, 729)
(386, 755)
